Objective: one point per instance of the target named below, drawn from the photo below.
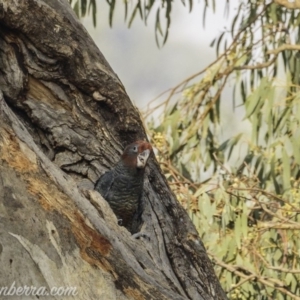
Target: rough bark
(64, 120)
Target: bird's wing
(137, 218)
(104, 183)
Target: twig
(289, 4)
(280, 269)
(276, 284)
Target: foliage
(248, 201)
(143, 8)
(251, 233)
(83, 7)
(241, 192)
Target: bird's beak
(142, 158)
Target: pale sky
(144, 69)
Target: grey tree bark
(64, 120)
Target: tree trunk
(64, 120)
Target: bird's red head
(136, 154)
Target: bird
(122, 186)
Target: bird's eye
(135, 149)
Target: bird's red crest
(131, 152)
(142, 145)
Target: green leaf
(204, 15)
(205, 207)
(136, 8)
(219, 42)
(157, 27)
(168, 17)
(112, 4)
(126, 10)
(76, 8)
(296, 146)
(286, 170)
(93, 6)
(83, 7)
(191, 5)
(255, 129)
(233, 142)
(237, 231)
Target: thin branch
(285, 270)
(234, 286)
(290, 4)
(222, 165)
(283, 48)
(270, 195)
(278, 285)
(278, 226)
(263, 206)
(258, 66)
